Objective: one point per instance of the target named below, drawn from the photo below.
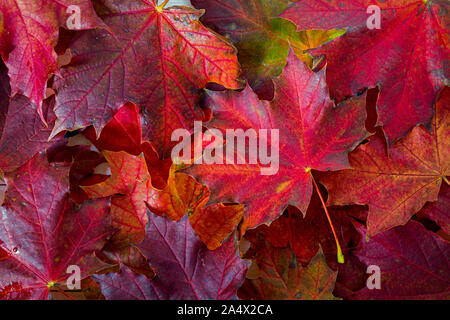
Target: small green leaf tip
(340, 256)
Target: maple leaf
(314, 134)
(214, 223)
(28, 34)
(183, 195)
(185, 268)
(438, 211)
(395, 57)
(24, 134)
(128, 186)
(282, 278)
(396, 186)
(40, 232)
(305, 235)
(124, 133)
(262, 39)
(414, 263)
(162, 56)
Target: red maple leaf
(282, 278)
(41, 233)
(313, 134)
(406, 57)
(413, 261)
(185, 268)
(129, 186)
(397, 184)
(24, 134)
(124, 133)
(305, 235)
(32, 33)
(162, 56)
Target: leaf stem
(340, 256)
(445, 179)
(162, 5)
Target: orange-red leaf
(313, 134)
(128, 187)
(396, 185)
(183, 195)
(123, 133)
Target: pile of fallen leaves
(86, 118)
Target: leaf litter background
(87, 116)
